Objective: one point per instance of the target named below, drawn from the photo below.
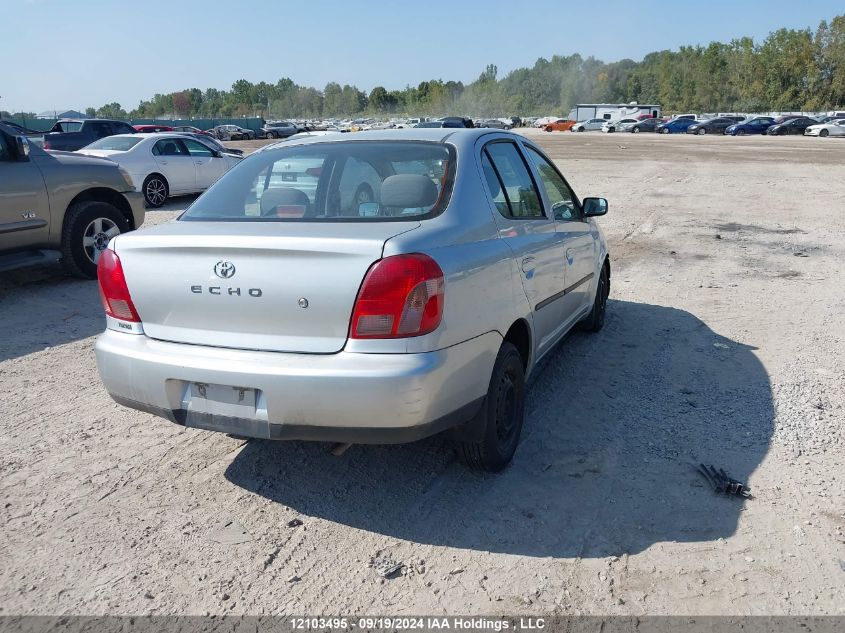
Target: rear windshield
(342, 181)
(118, 143)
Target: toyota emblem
(224, 270)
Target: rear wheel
(364, 194)
(635, 130)
(824, 133)
(86, 231)
(155, 190)
(502, 413)
(595, 320)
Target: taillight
(46, 145)
(401, 296)
(114, 293)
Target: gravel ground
(724, 344)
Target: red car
(149, 129)
(190, 129)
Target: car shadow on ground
(41, 307)
(615, 423)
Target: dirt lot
(724, 344)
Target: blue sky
(79, 53)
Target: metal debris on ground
(294, 523)
(385, 566)
(722, 483)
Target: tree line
(800, 70)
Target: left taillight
(114, 293)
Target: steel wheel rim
(602, 299)
(95, 238)
(155, 191)
(506, 409)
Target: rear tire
(364, 194)
(636, 130)
(595, 320)
(156, 190)
(503, 411)
(86, 231)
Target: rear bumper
(343, 397)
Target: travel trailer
(612, 111)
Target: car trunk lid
(275, 286)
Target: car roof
(154, 135)
(458, 136)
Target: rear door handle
(163, 162)
(527, 264)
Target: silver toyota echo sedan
(379, 287)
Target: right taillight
(401, 296)
(114, 293)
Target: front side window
(195, 148)
(559, 194)
(517, 187)
(345, 181)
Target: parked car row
(733, 125)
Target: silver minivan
(281, 305)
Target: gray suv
(60, 205)
(282, 306)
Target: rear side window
(344, 181)
(513, 184)
(68, 126)
(101, 128)
(169, 147)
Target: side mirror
(22, 146)
(594, 207)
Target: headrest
(283, 196)
(408, 191)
